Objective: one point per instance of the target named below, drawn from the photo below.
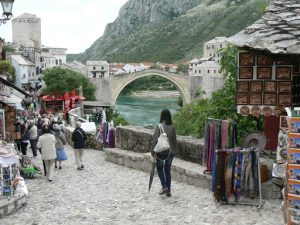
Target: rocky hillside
(169, 30)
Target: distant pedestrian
(61, 154)
(33, 135)
(24, 138)
(47, 143)
(79, 137)
(165, 158)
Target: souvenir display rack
(291, 192)
(260, 201)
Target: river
(144, 111)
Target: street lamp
(7, 8)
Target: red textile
(271, 130)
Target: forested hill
(169, 30)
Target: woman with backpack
(165, 158)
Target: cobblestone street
(105, 193)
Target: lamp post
(7, 8)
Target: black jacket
(79, 137)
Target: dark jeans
(163, 165)
(33, 143)
(24, 147)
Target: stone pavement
(107, 194)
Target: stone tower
(26, 30)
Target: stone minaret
(26, 30)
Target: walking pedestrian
(25, 138)
(79, 137)
(47, 143)
(165, 158)
(61, 154)
(33, 135)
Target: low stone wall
(139, 139)
(91, 139)
(12, 204)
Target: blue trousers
(163, 166)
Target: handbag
(162, 141)
(61, 155)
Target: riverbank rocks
(139, 139)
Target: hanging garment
(237, 176)
(271, 130)
(219, 193)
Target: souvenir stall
(11, 183)
(218, 134)
(291, 191)
(236, 176)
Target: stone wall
(91, 139)
(139, 139)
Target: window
(209, 54)
(207, 71)
(94, 74)
(102, 67)
(214, 71)
(60, 62)
(195, 71)
(32, 74)
(199, 71)
(94, 67)
(56, 61)
(214, 55)
(102, 74)
(24, 76)
(212, 46)
(220, 45)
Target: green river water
(144, 111)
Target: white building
(212, 47)
(24, 70)
(26, 30)
(97, 69)
(77, 67)
(212, 78)
(51, 57)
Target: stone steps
(11, 204)
(182, 171)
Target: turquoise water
(144, 111)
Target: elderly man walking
(79, 137)
(33, 137)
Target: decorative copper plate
(267, 111)
(245, 111)
(256, 111)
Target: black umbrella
(151, 174)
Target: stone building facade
(26, 30)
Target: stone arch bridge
(109, 88)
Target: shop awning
(7, 83)
(78, 97)
(11, 100)
(48, 98)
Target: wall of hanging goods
(265, 84)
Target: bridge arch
(180, 81)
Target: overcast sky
(71, 24)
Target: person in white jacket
(47, 143)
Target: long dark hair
(165, 116)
